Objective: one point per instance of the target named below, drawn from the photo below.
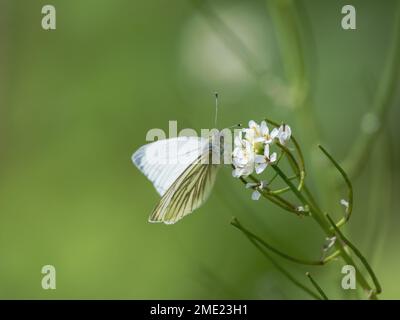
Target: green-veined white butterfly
(182, 170)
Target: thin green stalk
(277, 162)
(291, 185)
(295, 165)
(378, 288)
(280, 268)
(292, 177)
(274, 199)
(280, 191)
(283, 203)
(311, 197)
(238, 225)
(332, 256)
(321, 219)
(316, 285)
(349, 209)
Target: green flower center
(258, 148)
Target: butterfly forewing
(162, 169)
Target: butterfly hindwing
(189, 191)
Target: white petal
(284, 133)
(249, 137)
(252, 124)
(260, 167)
(263, 184)
(259, 139)
(236, 173)
(259, 159)
(344, 203)
(238, 141)
(237, 151)
(266, 150)
(329, 243)
(268, 141)
(255, 195)
(274, 133)
(251, 185)
(272, 158)
(264, 128)
(246, 171)
(288, 131)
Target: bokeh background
(76, 102)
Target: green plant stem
(295, 165)
(276, 197)
(378, 288)
(325, 224)
(316, 285)
(332, 256)
(349, 210)
(279, 267)
(274, 200)
(249, 234)
(311, 197)
(280, 191)
(275, 175)
(297, 192)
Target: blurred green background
(76, 102)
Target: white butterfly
(182, 170)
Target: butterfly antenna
(239, 125)
(216, 109)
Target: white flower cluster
(252, 148)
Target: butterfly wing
(188, 192)
(163, 161)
